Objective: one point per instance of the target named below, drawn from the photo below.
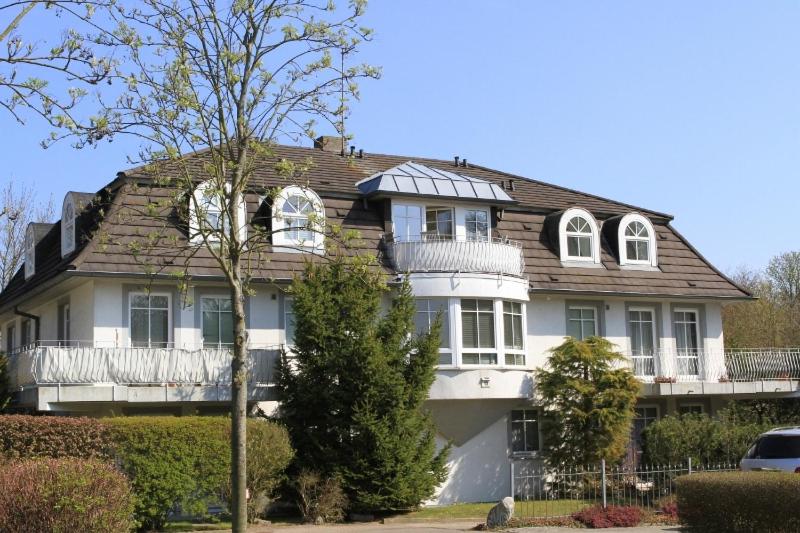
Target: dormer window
(30, 252)
(67, 226)
(637, 245)
(298, 220)
(209, 218)
(579, 238)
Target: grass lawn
(480, 510)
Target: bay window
(427, 311)
(513, 333)
(477, 332)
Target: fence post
(512, 478)
(603, 482)
(690, 465)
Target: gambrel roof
(352, 190)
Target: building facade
(96, 325)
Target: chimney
(331, 143)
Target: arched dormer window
(298, 220)
(30, 252)
(637, 243)
(68, 226)
(208, 217)
(579, 238)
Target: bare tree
(228, 78)
(18, 207)
(783, 272)
(28, 66)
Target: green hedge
(706, 440)
(64, 495)
(24, 436)
(169, 460)
(740, 502)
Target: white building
(98, 326)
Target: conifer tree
(588, 403)
(353, 389)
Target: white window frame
(68, 217)
(654, 322)
(288, 309)
(219, 345)
(622, 239)
(30, 252)
(465, 351)
(528, 453)
(281, 241)
(567, 259)
(397, 231)
(463, 223)
(513, 351)
(170, 332)
(449, 331)
(200, 199)
(700, 341)
(431, 236)
(596, 320)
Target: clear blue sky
(691, 108)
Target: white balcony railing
(84, 363)
(758, 364)
(438, 254)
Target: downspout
(36, 322)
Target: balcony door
(150, 320)
(407, 221)
(642, 322)
(687, 341)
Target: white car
(777, 449)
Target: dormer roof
(416, 179)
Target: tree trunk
(238, 410)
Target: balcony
(84, 371)
(432, 253)
(719, 371)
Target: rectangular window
(150, 320)
(642, 330)
(439, 224)
(64, 336)
(687, 336)
(407, 222)
(217, 321)
(579, 246)
(643, 417)
(11, 332)
(524, 431)
(477, 332)
(513, 333)
(691, 409)
(477, 224)
(25, 333)
(427, 310)
(288, 321)
(581, 322)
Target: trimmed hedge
(64, 496)
(740, 502)
(26, 437)
(170, 461)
